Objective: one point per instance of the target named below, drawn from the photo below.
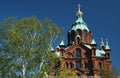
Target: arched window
(78, 53)
(78, 40)
(66, 65)
(86, 65)
(71, 65)
(79, 32)
(78, 64)
(100, 65)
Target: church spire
(107, 46)
(102, 42)
(79, 13)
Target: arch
(78, 64)
(100, 65)
(84, 30)
(66, 65)
(71, 65)
(78, 52)
(79, 31)
(78, 40)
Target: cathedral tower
(81, 54)
(79, 32)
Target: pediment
(81, 47)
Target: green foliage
(25, 43)
(66, 73)
(106, 73)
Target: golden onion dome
(79, 13)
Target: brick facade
(81, 54)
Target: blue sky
(102, 17)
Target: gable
(77, 51)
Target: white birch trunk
(40, 66)
(46, 74)
(49, 48)
(23, 69)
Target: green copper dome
(79, 23)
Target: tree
(26, 45)
(106, 73)
(66, 73)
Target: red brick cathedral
(81, 54)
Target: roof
(100, 53)
(107, 47)
(88, 46)
(62, 43)
(80, 24)
(93, 41)
(57, 47)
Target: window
(66, 65)
(78, 53)
(100, 65)
(79, 32)
(71, 65)
(78, 65)
(78, 40)
(86, 65)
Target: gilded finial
(79, 13)
(106, 41)
(78, 6)
(102, 42)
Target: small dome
(62, 43)
(58, 47)
(107, 46)
(93, 41)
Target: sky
(102, 17)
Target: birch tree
(26, 43)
